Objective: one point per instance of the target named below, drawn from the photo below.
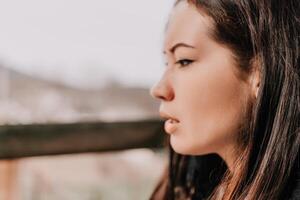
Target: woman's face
(200, 87)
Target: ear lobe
(255, 79)
(256, 86)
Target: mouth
(168, 117)
(171, 123)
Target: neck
(229, 155)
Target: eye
(184, 62)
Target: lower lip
(171, 126)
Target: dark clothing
(293, 187)
(290, 192)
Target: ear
(255, 78)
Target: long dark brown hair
(267, 33)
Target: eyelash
(183, 63)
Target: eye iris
(184, 62)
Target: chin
(188, 150)
(185, 149)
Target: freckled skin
(207, 96)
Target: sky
(84, 42)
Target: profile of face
(200, 88)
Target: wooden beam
(19, 141)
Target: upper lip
(167, 116)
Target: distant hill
(28, 99)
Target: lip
(168, 116)
(171, 126)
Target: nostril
(161, 97)
(155, 93)
(167, 96)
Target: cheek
(211, 109)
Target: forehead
(187, 24)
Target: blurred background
(76, 62)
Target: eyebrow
(172, 49)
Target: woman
(231, 95)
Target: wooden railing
(17, 141)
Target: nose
(162, 90)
